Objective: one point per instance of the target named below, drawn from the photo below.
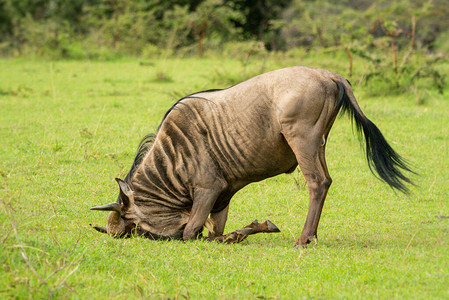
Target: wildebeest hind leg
(309, 153)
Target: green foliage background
(105, 28)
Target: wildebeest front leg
(203, 202)
(241, 234)
(219, 221)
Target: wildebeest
(211, 144)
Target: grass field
(68, 129)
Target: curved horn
(100, 229)
(108, 207)
(116, 226)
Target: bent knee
(191, 233)
(315, 182)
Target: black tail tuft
(381, 157)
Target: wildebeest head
(122, 219)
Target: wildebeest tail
(387, 163)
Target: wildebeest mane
(147, 141)
(183, 98)
(144, 145)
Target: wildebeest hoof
(301, 245)
(303, 242)
(272, 227)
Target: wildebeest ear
(126, 194)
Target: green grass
(68, 128)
